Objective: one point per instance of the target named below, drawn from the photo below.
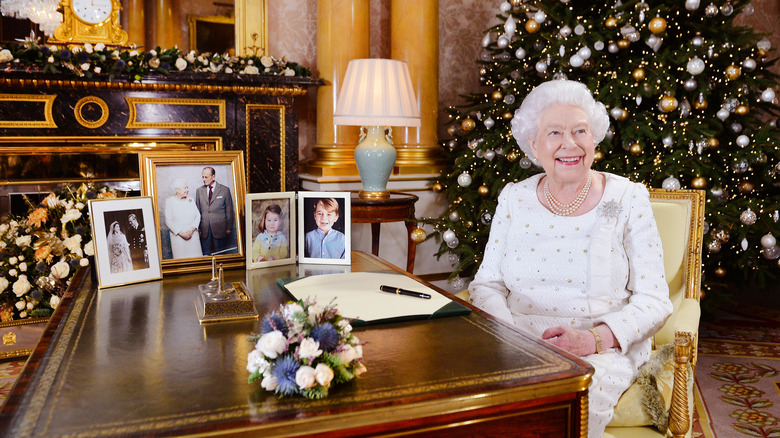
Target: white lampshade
(377, 92)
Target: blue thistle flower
(91, 194)
(284, 370)
(74, 263)
(79, 230)
(326, 335)
(65, 54)
(36, 294)
(120, 65)
(82, 57)
(45, 51)
(40, 267)
(274, 322)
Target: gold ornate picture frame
(125, 240)
(270, 229)
(192, 226)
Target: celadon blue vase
(375, 158)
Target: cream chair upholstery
(679, 215)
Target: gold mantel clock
(90, 21)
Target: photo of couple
(199, 225)
(126, 239)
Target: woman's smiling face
(564, 144)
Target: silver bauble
(768, 240)
(698, 41)
(768, 95)
(668, 141)
(505, 7)
(520, 53)
(576, 61)
(695, 66)
(714, 246)
(584, 53)
(448, 236)
(540, 16)
(691, 5)
(723, 114)
(454, 216)
(525, 163)
(464, 179)
(736, 128)
(671, 183)
(489, 122)
(613, 48)
(565, 32)
(579, 29)
(486, 218)
(711, 10)
(740, 165)
(454, 243)
(503, 42)
(726, 9)
(598, 45)
(457, 283)
(743, 141)
(690, 84)
(748, 217)
(490, 154)
(749, 64)
(541, 66)
(771, 253)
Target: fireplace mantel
(252, 113)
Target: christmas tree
(692, 106)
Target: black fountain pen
(399, 291)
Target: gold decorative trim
(48, 100)
(25, 321)
(292, 90)
(251, 26)
(134, 102)
(282, 141)
(80, 117)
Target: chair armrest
(688, 316)
(679, 414)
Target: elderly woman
(574, 256)
(182, 219)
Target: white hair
(178, 183)
(525, 123)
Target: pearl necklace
(560, 208)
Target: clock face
(92, 11)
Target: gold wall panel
(84, 101)
(134, 104)
(48, 101)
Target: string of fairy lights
(691, 102)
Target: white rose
(228, 70)
(84, 262)
(52, 201)
(154, 62)
(289, 72)
(190, 57)
(20, 305)
(266, 61)
(85, 66)
(54, 301)
(50, 60)
(22, 314)
(358, 351)
(73, 244)
(291, 309)
(3, 284)
(30, 306)
(88, 47)
(3, 228)
(5, 55)
(347, 354)
(60, 270)
(12, 261)
(309, 349)
(97, 70)
(272, 344)
(76, 49)
(304, 377)
(323, 374)
(89, 248)
(315, 311)
(255, 362)
(13, 273)
(115, 54)
(345, 326)
(153, 52)
(99, 47)
(181, 64)
(21, 286)
(23, 267)
(71, 214)
(133, 53)
(269, 383)
(21, 257)
(251, 70)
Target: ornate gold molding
(47, 99)
(80, 117)
(282, 140)
(292, 90)
(134, 102)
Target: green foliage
(668, 124)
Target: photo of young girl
(271, 243)
(270, 229)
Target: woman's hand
(187, 235)
(579, 342)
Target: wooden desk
(399, 207)
(133, 361)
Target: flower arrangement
(304, 349)
(133, 64)
(40, 252)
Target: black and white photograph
(324, 227)
(125, 237)
(270, 229)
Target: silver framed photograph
(270, 229)
(125, 239)
(324, 228)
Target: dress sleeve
(487, 290)
(648, 305)
(170, 220)
(196, 214)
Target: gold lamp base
(374, 194)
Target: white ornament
(764, 45)
(457, 283)
(448, 236)
(452, 258)
(505, 7)
(562, 51)
(541, 66)
(698, 41)
(584, 53)
(464, 179)
(490, 154)
(690, 84)
(486, 40)
(748, 217)
(668, 141)
(510, 26)
(748, 10)
(579, 29)
(723, 114)
(744, 244)
(695, 66)
(743, 140)
(520, 53)
(768, 95)
(598, 45)
(771, 253)
(691, 5)
(454, 216)
(576, 61)
(525, 162)
(503, 42)
(489, 122)
(616, 112)
(613, 48)
(540, 16)
(768, 240)
(671, 183)
(453, 243)
(749, 63)
(565, 31)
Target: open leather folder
(357, 295)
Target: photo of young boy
(325, 241)
(271, 243)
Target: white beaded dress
(541, 270)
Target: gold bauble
(742, 110)
(468, 124)
(699, 183)
(532, 26)
(623, 116)
(516, 3)
(746, 187)
(657, 25)
(733, 72)
(418, 235)
(587, 65)
(469, 224)
(508, 115)
(639, 74)
(700, 104)
(598, 156)
(512, 156)
(720, 235)
(713, 142)
(668, 104)
(483, 190)
(636, 149)
(437, 188)
(623, 44)
(497, 95)
(611, 23)
(720, 272)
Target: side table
(399, 207)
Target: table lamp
(376, 94)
